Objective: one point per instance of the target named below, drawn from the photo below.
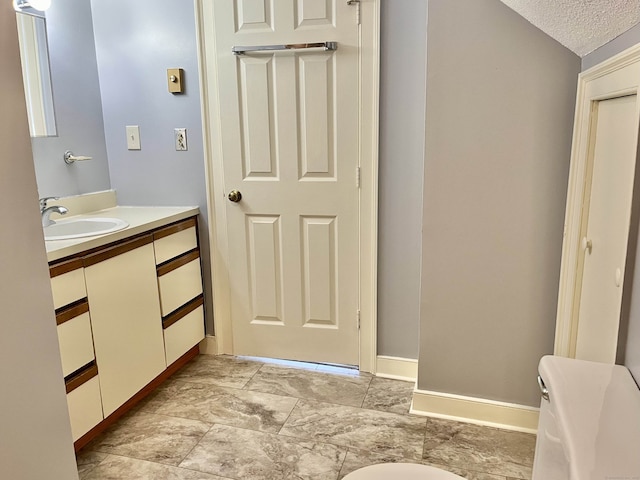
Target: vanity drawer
(184, 330)
(174, 240)
(67, 282)
(75, 338)
(179, 282)
(85, 407)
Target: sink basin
(83, 227)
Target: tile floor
(226, 417)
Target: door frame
(601, 82)
(369, 12)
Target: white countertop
(140, 220)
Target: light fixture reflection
(40, 5)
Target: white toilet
(404, 471)
(589, 427)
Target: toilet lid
(404, 471)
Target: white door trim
(216, 200)
(566, 319)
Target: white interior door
(289, 140)
(614, 137)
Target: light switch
(133, 137)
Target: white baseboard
(397, 368)
(508, 416)
(209, 345)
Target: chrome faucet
(47, 211)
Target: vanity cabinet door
(125, 315)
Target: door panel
(317, 130)
(319, 271)
(609, 211)
(265, 268)
(258, 142)
(311, 13)
(289, 132)
(254, 15)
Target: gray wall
(500, 105)
(35, 437)
(402, 111)
(76, 95)
(134, 51)
(628, 39)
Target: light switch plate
(133, 137)
(180, 135)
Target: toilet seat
(404, 471)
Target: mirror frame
(36, 72)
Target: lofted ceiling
(580, 25)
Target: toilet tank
(589, 426)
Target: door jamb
(570, 276)
(368, 205)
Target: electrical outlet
(180, 135)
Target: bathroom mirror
(34, 54)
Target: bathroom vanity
(129, 310)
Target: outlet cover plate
(180, 136)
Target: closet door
(599, 210)
(606, 229)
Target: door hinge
(357, 4)
(358, 317)
(357, 177)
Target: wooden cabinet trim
(81, 377)
(178, 262)
(71, 311)
(65, 266)
(75, 261)
(183, 311)
(117, 249)
(174, 228)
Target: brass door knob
(234, 196)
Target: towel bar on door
(290, 46)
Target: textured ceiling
(580, 25)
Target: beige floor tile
(87, 460)
(479, 449)
(121, 468)
(221, 370)
(229, 406)
(217, 419)
(389, 395)
(377, 432)
(249, 455)
(313, 385)
(152, 437)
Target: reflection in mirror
(34, 55)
